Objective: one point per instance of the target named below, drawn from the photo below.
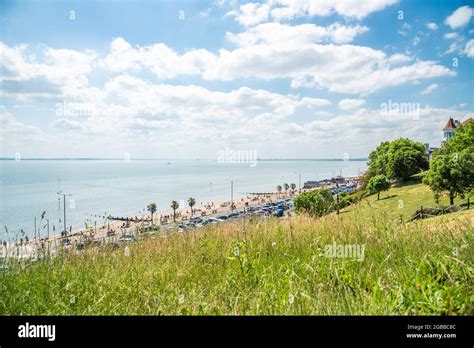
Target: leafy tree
(192, 203)
(315, 202)
(452, 166)
(152, 209)
(174, 206)
(406, 162)
(279, 188)
(398, 159)
(377, 184)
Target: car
(252, 209)
(278, 212)
(211, 221)
(150, 229)
(127, 239)
(222, 217)
(195, 220)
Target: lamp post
(337, 195)
(64, 208)
(231, 193)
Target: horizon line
(167, 159)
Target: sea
(92, 189)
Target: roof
(450, 124)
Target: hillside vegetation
(266, 267)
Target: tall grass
(268, 267)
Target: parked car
(278, 212)
(195, 220)
(210, 221)
(127, 239)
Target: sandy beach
(114, 229)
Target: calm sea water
(124, 188)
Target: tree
(152, 209)
(191, 202)
(377, 184)
(452, 166)
(279, 188)
(286, 187)
(315, 202)
(293, 187)
(398, 159)
(174, 206)
(406, 162)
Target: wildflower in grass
(72, 299)
(126, 251)
(181, 299)
(274, 244)
(291, 299)
(236, 251)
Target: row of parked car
(276, 209)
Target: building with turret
(448, 132)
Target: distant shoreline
(178, 159)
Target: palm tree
(152, 209)
(293, 187)
(191, 202)
(279, 188)
(174, 206)
(286, 187)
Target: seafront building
(448, 131)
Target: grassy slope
(405, 200)
(267, 267)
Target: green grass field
(268, 267)
(405, 200)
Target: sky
(190, 79)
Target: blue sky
(186, 79)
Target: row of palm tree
(174, 205)
(286, 187)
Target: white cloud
(469, 48)
(271, 33)
(288, 9)
(164, 62)
(451, 36)
(251, 13)
(64, 68)
(338, 68)
(429, 89)
(348, 104)
(460, 17)
(16, 135)
(432, 26)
